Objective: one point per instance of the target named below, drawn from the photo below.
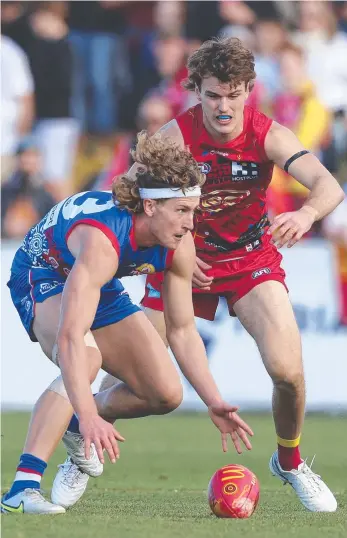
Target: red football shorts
(232, 280)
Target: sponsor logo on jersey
(219, 152)
(244, 171)
(261, 272)
(223, 169)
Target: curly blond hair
(165, 164)
(224, 58)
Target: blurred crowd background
(79, 79)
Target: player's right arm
(188, 348)
(96, 262)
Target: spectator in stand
(325, 45)
(169, 16)
(11, 12)
(17, 101)
(102, 71)
(297, 105)
(270, 37)
(265, 37)
(170, 62)
(298, 108)
(24, 199)
(246, 14)
(164, 70)
(161, 59)
(154, 112)
(43, 36)
(341, 13)
(203, 21)
(140, 27)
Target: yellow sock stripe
(288, 443)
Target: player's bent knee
(58, 387)
(290, 382)
(108, 381)
(168, 400)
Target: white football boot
(309, 487)
(69, 484)
(74, 444)
(29, 501)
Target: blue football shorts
(30, 285)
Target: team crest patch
(261, 272)
(221, 200)
(204, 168)
(144, 269)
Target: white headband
(166, 192)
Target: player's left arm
(283, 148)
(188, 348)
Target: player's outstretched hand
(104, 436)
(200, 279)
(288, 228)
(228, 422)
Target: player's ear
(149, 207)
(197, 92)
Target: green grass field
(158, 487)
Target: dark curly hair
(165, 163)
(224, 58)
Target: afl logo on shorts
(261, 272)
(204, 168)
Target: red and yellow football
(233, 492)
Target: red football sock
(289, 458)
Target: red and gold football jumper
(231, 222)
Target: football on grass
(233, 492)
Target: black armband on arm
(293, 158)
